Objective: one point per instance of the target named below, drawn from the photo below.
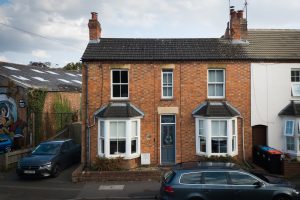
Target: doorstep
(83, 175)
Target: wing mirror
(258, 184)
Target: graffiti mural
(9, 122)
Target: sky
(56, 30)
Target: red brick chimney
(94, 28)
(237, 29)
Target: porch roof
(215, 109)
(119, 110)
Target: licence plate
(29, 172)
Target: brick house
(175, 99)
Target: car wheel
(7, 149)
(282, 197)
(55, 171)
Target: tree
(73, 66)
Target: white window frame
(167, 85)
(234, 135)
(112, 84)
(117, 138)
(208, 135)
(128, 124)
(295, 85)
(203, 136)
(226, 137)
(294, 144)
(216, 83)
(101, 137)
(285, 126)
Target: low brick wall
(80, 175)
(290, 168)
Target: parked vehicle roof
(206, 166)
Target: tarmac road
(61, 188)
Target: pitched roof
(119, 110)
(292, 109)
(215, 109)
(162, 49)
(273, 44)
(50, 79)
(269, 45)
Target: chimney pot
(94, 16)
(240, 14)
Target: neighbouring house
(28, 96)
(164, 101)
(275, 89)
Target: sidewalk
(119, 190)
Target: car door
(189, 186)
(246, 186)
(215, 186)
(65, 155)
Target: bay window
(216, 136)
(119, 138)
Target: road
(61, 188)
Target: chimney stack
(94, 28)
(237, 26)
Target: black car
(49, 158)
(215, 181)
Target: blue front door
(168, 139)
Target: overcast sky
(56, 30)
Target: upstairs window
(295, 79)
(167, 84)
(119, 84)
(216, 83)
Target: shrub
(108, 164)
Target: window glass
(113, 129)
(191, 178)
(201, 127)
(133, 128)
(219, 128)
(117, 146)
(290, 143)
(216, 83)
(241, 179)
(167, 119)
(133, 145)
(219, 145)
(295, 75)
(289, 128)
(101, 128)
(121, 129)
(233, 127)
(167, 83)
(215, 178)
(202, 144)
(119, 83)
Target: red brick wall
(190, 90)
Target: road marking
(111, 187)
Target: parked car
(49, 158)
(5, 143)
(214, 181)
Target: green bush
(108, 164)
(63, 112)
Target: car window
(46, 149)
(65, 147)
(168, 176)
(238, 178)
(191, 178)
(215, 178)
(72, 144)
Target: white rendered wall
(270, 93)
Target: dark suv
(215, 181)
